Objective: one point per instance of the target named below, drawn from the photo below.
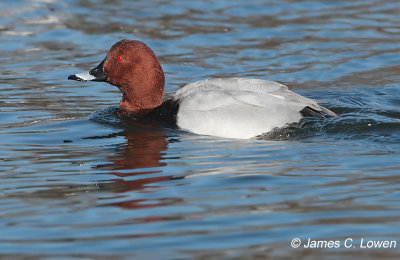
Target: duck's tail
(311, 112)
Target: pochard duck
(225, 107)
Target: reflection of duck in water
(231, 107)
(139, 156)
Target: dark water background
(76, 182)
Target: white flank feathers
(238, 107)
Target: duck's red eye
(119, 58)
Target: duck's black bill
(74, 77)
(96, 74)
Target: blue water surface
(77, 182)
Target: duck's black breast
(166, 112)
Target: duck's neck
(141, 100)
(138, 108)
